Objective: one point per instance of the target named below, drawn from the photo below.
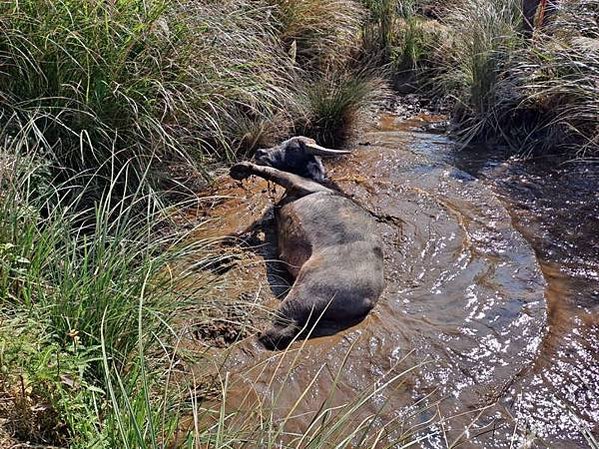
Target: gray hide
(332, 250)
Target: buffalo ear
(316, 170)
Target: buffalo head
(298, 155)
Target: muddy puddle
(487, 332)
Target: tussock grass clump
(417, 41)
(380, 30)
(91, 81)
(179, 80)
(335, 102)
(386, 22)
(320, 33)
(398, 35)
(88, 301)
(558, 78)
(535, 91)
(478, 50)
(81, 271)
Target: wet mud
(486, 334)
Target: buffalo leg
(289, 181)
(295, 319)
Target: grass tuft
(558, 78)
(75, 285)
(380, 32)
(536, 92)
(130, 80)
(320, 34)
(483, 35)
(335, 102)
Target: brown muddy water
(487, 334)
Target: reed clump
(558, 78)
(534, 91)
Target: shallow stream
(490, 317)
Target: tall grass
(483, 36)
(412, 45)
(535, 91)
(381, 28)
(139, 81)
(558, 78)
(81, 271)
(320, 34)
(399, 37)
(335, 102)
(416, 50)
(130, 79)
(77, 284)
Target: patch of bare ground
(27, 421)
(237, 221)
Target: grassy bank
(182, 81)
(535, 92)
(86, 312)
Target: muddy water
(487, 330)
(555, 206)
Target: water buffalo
(329, 244)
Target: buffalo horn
(317, 150)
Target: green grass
(557, 77)
(536, 93)
(319, 34)
(482, 38)
(397, 36)
(47, 400)
(76, 285)
(380, 32)
(414, 53)
(96, 85)
(130, 79)
(335, 101)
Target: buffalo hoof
(241, 171)
(278, 337)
